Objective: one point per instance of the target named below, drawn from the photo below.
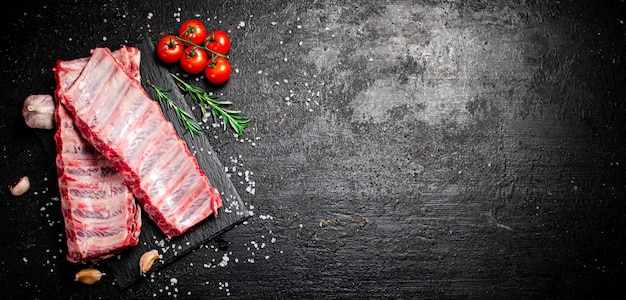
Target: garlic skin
(88, 276)
(146, 261)
(21, 186)
(38, 111)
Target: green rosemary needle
(237, 121)
(184, 118)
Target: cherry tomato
(169, 49)
(193, 31)
(218, 71)
(218, 41)
(194, 60)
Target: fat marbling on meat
(100, 214)
(114, 113)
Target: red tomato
(218, 71)
(218, 41)
(193, 31)
(194, 60)
(169, 49)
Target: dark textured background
(398, 149)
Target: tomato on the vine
(193, 31)
(169, 49)
(194, 60)
(218, 71)
(218, 41)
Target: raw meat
(100, 213)
(115, 114)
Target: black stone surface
(398, 149)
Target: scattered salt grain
(224, 261)
(250, 190)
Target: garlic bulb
(38, 111)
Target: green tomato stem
(201, 47)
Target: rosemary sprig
(208, 102)
(184, 118)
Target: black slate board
(125, 266)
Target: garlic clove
(147, 259)
(21, 186)
(88, 276)
(38, 111)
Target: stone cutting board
(125, 266)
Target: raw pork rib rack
(100, 213)
(114, 113)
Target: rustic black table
(398, 149)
